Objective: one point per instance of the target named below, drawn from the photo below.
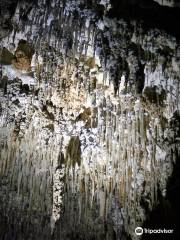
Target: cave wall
(89, 119)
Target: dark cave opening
(149, 14)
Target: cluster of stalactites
(115, 133)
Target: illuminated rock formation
(89, 121)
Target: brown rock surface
(23, 56)
(6, 56)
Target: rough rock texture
(169, 3)
(89, 117)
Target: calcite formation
(89, 121)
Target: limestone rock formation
(23, 56)
(89, 119)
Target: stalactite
(111, 136)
